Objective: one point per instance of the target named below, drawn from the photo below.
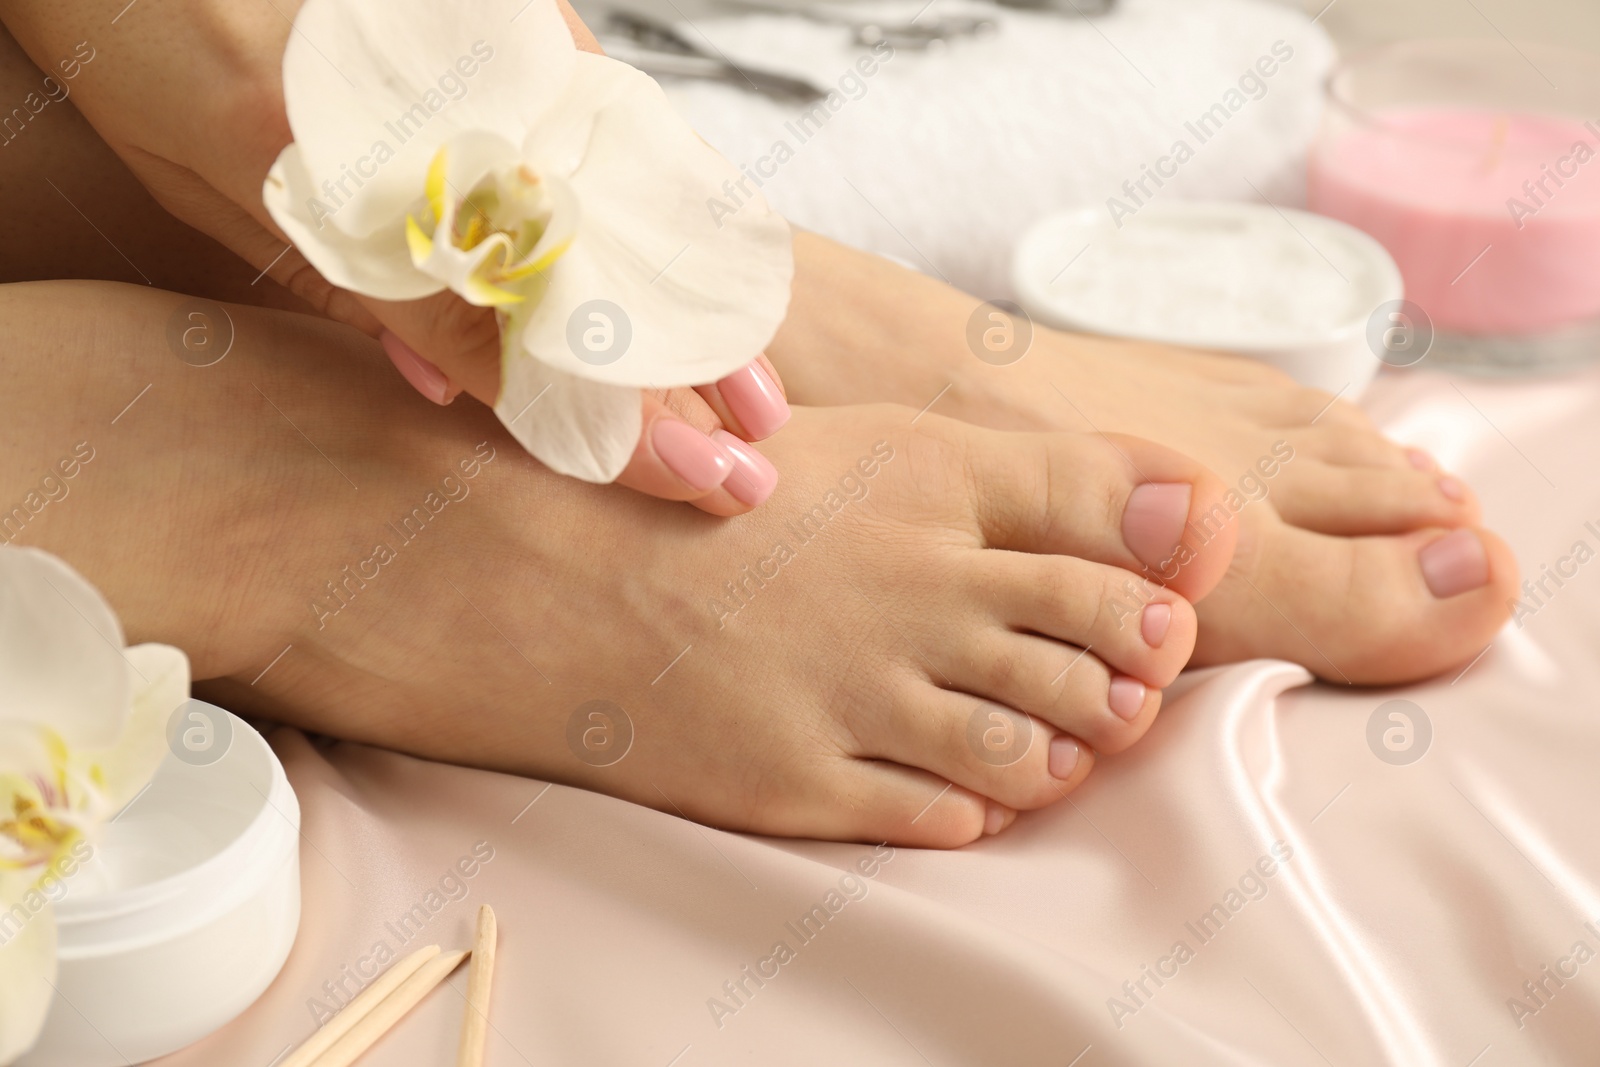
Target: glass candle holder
(1476, 164)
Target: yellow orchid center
(33, 832)
(502, 232)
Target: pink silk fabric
(1332, 907)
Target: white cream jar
(188, 907)
(1314, 297)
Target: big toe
(1360, 610)
(1109, 498)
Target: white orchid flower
(82, 729)
(472, 147)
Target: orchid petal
(162, 687)
(704, 291)
(377, 265)
(575, 427)
(360, 76)
(27, 969)
(60, 650)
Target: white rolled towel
(943, 158)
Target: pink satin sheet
(1406, 905)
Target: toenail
(1452, 488)
(1420, 459)
(1126, 696)
(1154, 622)
(755, 400)
(754, 477)
(690, 454)
(1456, 563)
(1064, 753)
(994, 819)
(1153, 520)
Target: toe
(1353, 501)
(1131, 623)
(876, 800)
(1110, 498)
(1361, 610)
(1069, 689)
(982, 746)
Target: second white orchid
(473, 148)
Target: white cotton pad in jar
(1307, 294)
(187, 907)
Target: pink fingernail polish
(1452, 489)
(755, 400)
(1153, 520)
(690, 454)
(754, 477)
(1064, 754)
(994, 819)
(423, 376)
(1420, 459)
(1153, 623)
(1126, 696)
(1454, 564)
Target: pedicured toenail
(1452, 489)
(1154, 622)
(754, 477)
(1454, 564)
(994, 819)
(1420, 459)
(1152, 522)
(1064, 753)
(755, 400)
(1126, 696)
(690, 454)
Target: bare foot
(1357, 558)
(933, 626)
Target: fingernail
(755, 400)
(1452, 488)
(423, 376)
(1064, 753)
(1153, 623)
(754, 477)
(1126, 696)
(1420, 459)
(1152, 522)
(994, 819)
(1456, 563)
(690, 454)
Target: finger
(452, 337)
(750, 402)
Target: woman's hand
(189, 94)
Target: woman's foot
(1347, 562)
(931, 627)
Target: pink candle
(1493, 216)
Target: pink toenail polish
(1153, 520)
(1126, 696)
(424, 377)
(1452, 489)
(690, 454)
(994, 819)
(755, 400)
(1064, 753)
(1454, 564)
(754, 477)
(1420, 459)
(1153, 623)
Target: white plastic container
(1314, 297)
(185, 913)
